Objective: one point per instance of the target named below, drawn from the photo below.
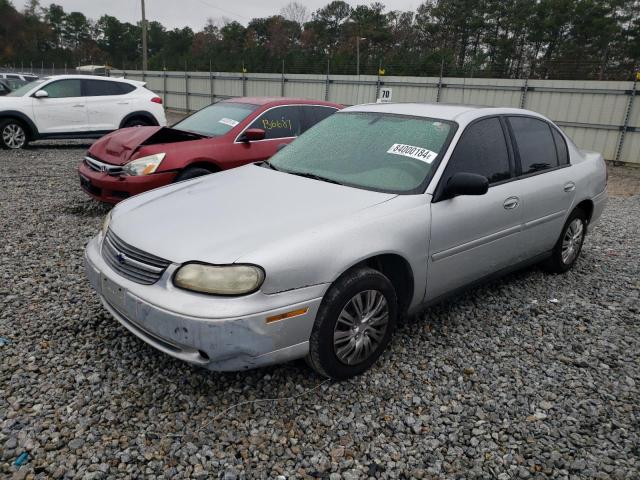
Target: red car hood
(118, 147)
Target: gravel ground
(533, 376)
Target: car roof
(92, 77)
(280, 101)
(453, 112)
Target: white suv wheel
(13, 136)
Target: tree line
(584, 39)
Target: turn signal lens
(291, 314)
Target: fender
(33, 130)
(152, 120)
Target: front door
(474, 236)
(281, 125)
(63, 111)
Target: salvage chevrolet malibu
(373, 214)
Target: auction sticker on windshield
(228, 121)
(411, 151)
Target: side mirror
(281, 146)
(41, 94)
(466, 184)
(252, 135)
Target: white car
(75, 106)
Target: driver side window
(482, 149)
(63, 88)
(280, 122)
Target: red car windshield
(217, 119)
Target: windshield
(216, 119)
(24, 89)
(375, 151)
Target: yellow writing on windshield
(277, 123)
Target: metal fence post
(42, 69)
(440, 81)
(186, 88)
(326, 83)
(244, 81)
(627, 115)
(525, 89)
(282, 80)
(378, 81)
(212, 94)
(164, 86)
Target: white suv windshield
(374, 151)
(216, 119)
(26, 88)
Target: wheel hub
(13, 136)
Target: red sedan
(221, 136)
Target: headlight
(106, 222)
(144, 165)
(219, 279)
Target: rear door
(107, 103)
(474, 236)
(64, 110)
(546, 180)
(281, 124)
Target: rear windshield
(374, 151)
(217, 119)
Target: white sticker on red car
(228, 121)
(411, 151)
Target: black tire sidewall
(321, 350)
(192, 172)
(3, 124)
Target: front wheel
(354, 325)
(569, 245)
(12, 134)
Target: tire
(136, 122)
(338, 329)
(13, 134)
(568, 247)
(192, 172)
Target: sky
(194, 13)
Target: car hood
(221, 217)
(118, 147)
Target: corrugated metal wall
(593, 113)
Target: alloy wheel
(361, 327)
(13, 136)
(572, 241)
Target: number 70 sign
(385, 95)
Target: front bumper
(115, 188)
(218, 333)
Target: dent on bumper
(232, 343)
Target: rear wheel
(13, 134)
(136, 122)
(354, 325)
(192, 172)
(569, 245)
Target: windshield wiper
(314, 177)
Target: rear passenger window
(482, 150)
(100, 88)
(535, 144)
(561, 147)
(280, 122)
(315, 114)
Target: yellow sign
(638, 76)
(381, 71)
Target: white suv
(75, 106)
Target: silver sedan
(374, 214)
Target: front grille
(98, 166)
(131, 262)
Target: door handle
(511, 203)
(123, 103)
(569, 187)
(79, 106)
